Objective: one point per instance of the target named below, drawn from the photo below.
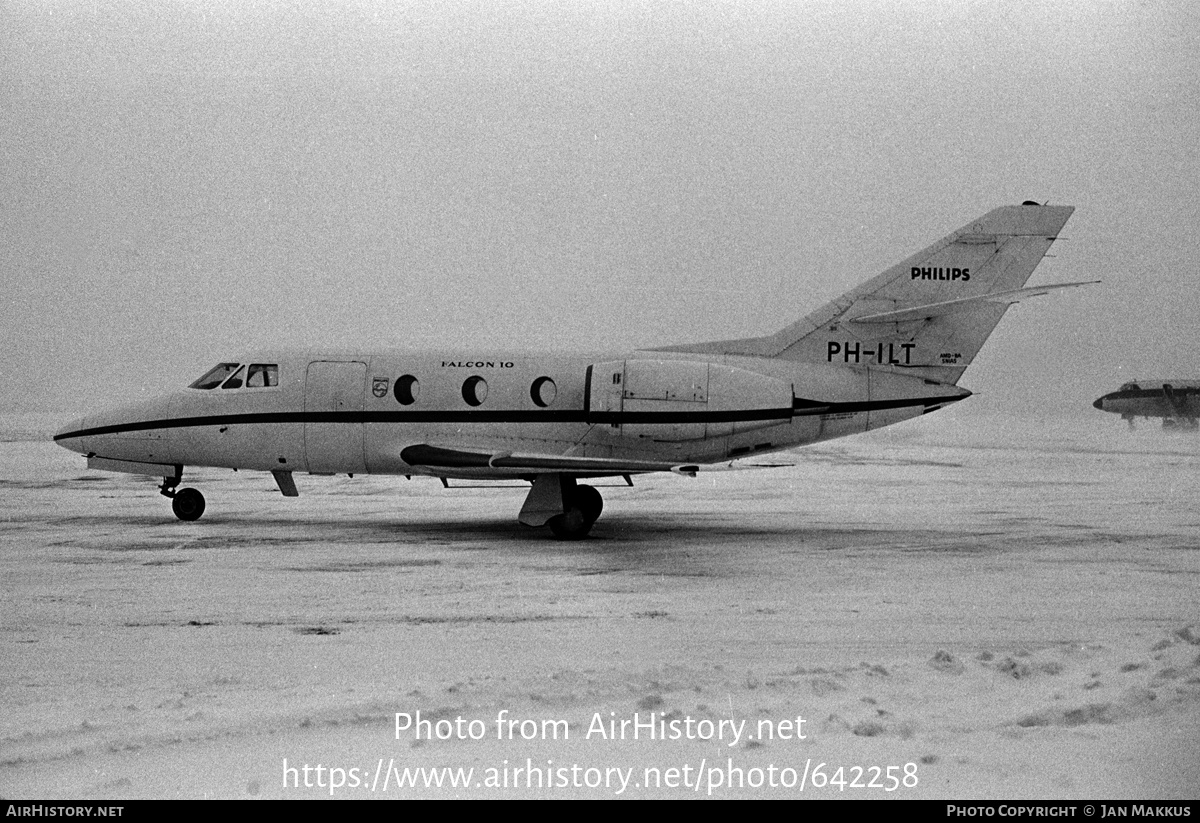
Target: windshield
(215, 377)
(237, 376)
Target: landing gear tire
(588, 501)
(188, 504)
(570, 525)
(583, 510)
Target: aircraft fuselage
(358, 412)
(1176, 401)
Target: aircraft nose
(1099, 404)
(70, 436)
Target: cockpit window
(216, 377)
(262, 375)
(237, 376)
(235, 382)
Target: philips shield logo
(379, 387)
(938, 273)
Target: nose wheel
(188, 504)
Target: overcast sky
(181, 181)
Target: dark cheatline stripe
(472, 416)
(873, 405)
(667, 417)
(800, 408)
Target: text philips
(938, 273)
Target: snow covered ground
(963, 609)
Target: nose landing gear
(188, 504)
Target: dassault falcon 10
(1177, 402)
(890, 350)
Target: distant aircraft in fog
(1177, 402)
(891, 349)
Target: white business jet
(890, 350)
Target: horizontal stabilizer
(743, 465)
(964, 304)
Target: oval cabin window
(543, 391)
(407, 389)
(475, 390)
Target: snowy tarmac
(974, 610)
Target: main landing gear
(557, 501)
(188, 504)
(581, 509)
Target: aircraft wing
(438, 457)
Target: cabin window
(215, 377)
(262, 375)
(543, 391)
(475, 390)
(407, 390)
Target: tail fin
(929, 314)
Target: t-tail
(930, 314)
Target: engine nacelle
(676, 400)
